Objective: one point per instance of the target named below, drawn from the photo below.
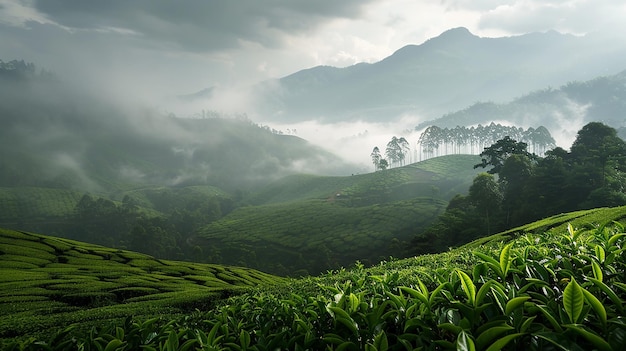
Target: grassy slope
(364, 217)
(20, 203)
(306, 224)
(304, 303)
(47, 282)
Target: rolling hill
(47, 282)
(298, 216)
(521, 282)
(303, 225)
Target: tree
(513, 178)
(496, 154)
(485, 194)
(376, 157)
(598, 157)
(404, 149)
(393, 151)
(383, 164)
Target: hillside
(553, 284)
(306, 225)
(209, 224)
(56, 136)
(443, 74)
(48, 282)
(560, 110)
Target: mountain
(54, 135)
(444, 74)
(561, 110)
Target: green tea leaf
(515, 303)
(593, 338)
(468, 286)
(597, 270)
(551, 318)
(244, 339)
(600, 253)
(615, 238)
(501, 343)
(416, 294)
(488, 335)
(464, 342)
(609, 292)
(482, 292)
(114, 345)
(573, 300)
(596, 305)
(505, 259)
(380, 342)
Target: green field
(47, 281)
(306, 224)
(556, 284)
(297, 225)
(19, 204)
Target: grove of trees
(520, 187)
(436, 141)
(396, 151)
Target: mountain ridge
(442, 74)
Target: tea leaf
(464, 342)
(500, 343)
(468, 286)
(515, 303)
(573, 300)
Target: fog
(124, 68)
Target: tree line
(435, 141)
(520, 187)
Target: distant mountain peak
(458, 32)
(452, 36)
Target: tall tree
(394, 151)
(496, 154)
(598, 156)
(485, 194)
(376, 157)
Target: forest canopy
(520, 187)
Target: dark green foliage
(496, 154)
(562, 289)
(306, 224)
(592, 175)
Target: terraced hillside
(556, 284)
(307, 224)
(298, 225)
(47, 282)
(439, 177)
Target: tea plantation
(46, 282)
(557, 284)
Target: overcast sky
(146, 50)
(184, 46)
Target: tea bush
(562, 290)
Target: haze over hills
(561, 110)
(444, 74)
(56, 136)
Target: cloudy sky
(145, 50)
(184, 46)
